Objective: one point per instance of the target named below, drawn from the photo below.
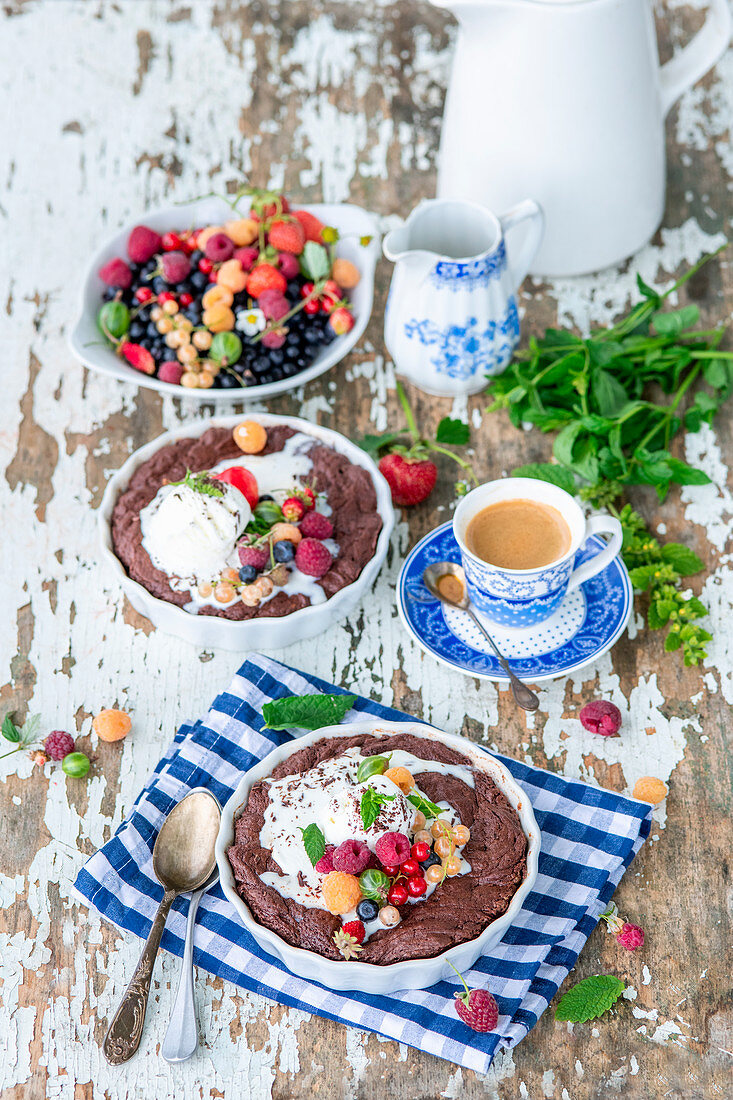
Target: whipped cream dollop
(191, 535)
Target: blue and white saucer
(588, 622)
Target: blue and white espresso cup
(523, 597)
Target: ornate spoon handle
(522, 694)
(125, 1031)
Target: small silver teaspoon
(183, 860)
(455, 594)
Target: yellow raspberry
(401, 777)
(242, 231)
(250, 436)
(341, 892)
(232, 275)
(649, 789)
(286, 531)
(112, 725)
(217, 295)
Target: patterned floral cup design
(451, 315)
(523, 597)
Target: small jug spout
(396, 247)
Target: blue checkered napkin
(589, 837)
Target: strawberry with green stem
(408, 468)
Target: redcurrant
(306, 289)
(171, 242)
(391, 870)
(397, 894)
(206, 265)
(143, 294)
(416, 886)
(419, 851)
(186, 299)
(410, 867)
(311, 307)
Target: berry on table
(112, 724)
(58, 744)
(341, 892)
(116, 273)
(398, 894)
(315, 525)
(366, 910)
(346, 274)
(476, 1007)
(76, 764)
(250, 436)
(650, 789)
(631, 936)
(410, 481)
(293, 509)
(392, 849)
(600, 716)
(401, 777)
(313, 558)
(143, 243)
(416, 886)
(420, 852)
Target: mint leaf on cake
(314, 842)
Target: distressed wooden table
(112, 106)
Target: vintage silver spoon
(183, 859)
(432, 577)
(182, 1036)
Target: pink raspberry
(325, 863)
(59, 744)
(170, 371)
(176, 266)
(253, 555)
(273, 304)
(601, 717)
(631, 936)
(219, 248)
(288, 264)
(351, 857)
(273, 339)
(247, 256)
(392, 849)
(143, 243)
(312, 558)
(315, 525)
(116, 273)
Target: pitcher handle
(519, 260)
(705, 49)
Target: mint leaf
(371, 803)
(681, 558)
(29, 729)
(547, 471)
(306, 712)
(201, 482)
(9, 730)
(373, 444)
(314, 262)
(424, 805)
(452, 431)
(314, 842)
(673, 322)
(589, 998)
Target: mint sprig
(371, 803)
(589, 998)
(306, 712)
(20, 736)
(314, 842)
(201, 482)
(424, 805)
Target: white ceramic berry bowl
(88, 345)
(210, 631)
(368, 977)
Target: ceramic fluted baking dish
(210, 631)
(352, 222)
(368, 977)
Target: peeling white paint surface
(82, 155)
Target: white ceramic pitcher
(565, 100)
(451, 315)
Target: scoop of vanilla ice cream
(191, 535)
(343, 819)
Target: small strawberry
(410, 480)
(312, 227)
(293, 509)
(287, 236)
(476, 1007)
(116, 273)
(265, 277)
(341, 321)
(347, 944)
(138, 357)
(354, 928)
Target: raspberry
(170, 371)
(354, 928)
(312, 227)
(143, 243)
(325, 863)
(256, 556)
(219, 248)
(273, 305)
(649, 789)
(631, 936)
(111, 725)
(352, 857)
(401, 777)
(410, 482)
(293, 509)
(601, 717)
(247, 257)
(273, 339)
(341, 892)
(287, 236)
(477, 1008)
(316, 526)
(116, 273)
(265, 277)
(392, 848)
(58, 744)
(175, 266)
(288, 264)
(312, 558)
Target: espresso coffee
(518, 534)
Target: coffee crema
(518, 534)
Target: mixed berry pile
(242, 304)
(378, 885)
(278, 537)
